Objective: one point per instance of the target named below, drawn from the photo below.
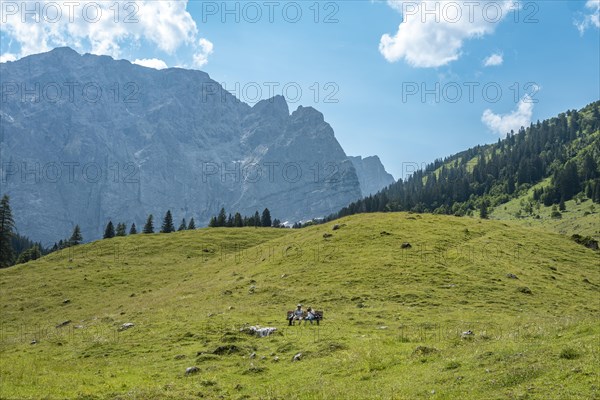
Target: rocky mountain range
(85, 139)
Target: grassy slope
(190, 292)
(580, 217)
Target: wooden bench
(318, 317)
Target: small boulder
(511, 276)
(33, 342)
(335, 227)
(66, 301)
(253, 355)
(525, 290)
(405, 245)
(467, 334)
(384, 233)
(327, 235)
(64, 323)
(275, 359)
(126, 326)
(297, 357)
(192, 370)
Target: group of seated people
(299, 314)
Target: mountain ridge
(96, 139)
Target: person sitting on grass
(297, 314)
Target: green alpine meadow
(415, 306)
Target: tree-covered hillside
(565, 149)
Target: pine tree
(256, 219)
(109, 232)
(33, 253)
(182, 226)
(213, 222)
(149, 227)
(266, 218)
(561, 205)
(121, 229)
(192, 225)
(222, 218)
(76, 237)
(167, 225)
(7, 225)
(238, 222)
(229, 223)
(483, 210)
(133, 229)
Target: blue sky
(545, 59)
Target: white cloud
(589, 20)
(7, 57)
(503, 124)
(151, 63)
(206, 49)
(99, 27)
(432, 33)
(494, 60)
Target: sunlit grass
(393, 317)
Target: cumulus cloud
(502, 124)
(589, 20)
(99, 27)
(432, 32)
(206, 49)
(151, 63)
(7, 57)
(494, 60)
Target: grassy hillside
(393, 316)
(581, 216)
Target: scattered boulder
(384, 233)
(253, 355)
(525, 290)
(297, 357)
(64, 323)
(467, 334)
(283, 276)
(511, 276)
(66, 301)
(126, 326)
(258, 331)
(327, 235)
(335, 227)
(275, 359)
(405, 245)
(226, 349)
(180, 356)
(33, 342)
(192, 370)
